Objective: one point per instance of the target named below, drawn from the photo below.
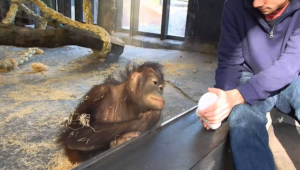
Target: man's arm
(228, 71)
(283, 72)
(229, 51)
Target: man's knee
(294, 87)
(290, 97)
(244, 116)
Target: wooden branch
(51, 38)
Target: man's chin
(266, 12)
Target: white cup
(206, 100)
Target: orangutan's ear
(134, 80)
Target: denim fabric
(248, 135)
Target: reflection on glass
(72, 10)
(150, 16)
(126, 14)
(177, 17)
(95, 11)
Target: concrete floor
(33, 106)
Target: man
(258, 69)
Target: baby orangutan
(114, 112)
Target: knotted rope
(10, 63)
(97, 30)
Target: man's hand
(222, 107)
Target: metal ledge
(181, 143)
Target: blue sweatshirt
(247, 43)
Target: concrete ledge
(156, 43)
(219, 159)
(277, 117)
(181, 144)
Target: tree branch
(50, 37)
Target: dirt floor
(33, 106)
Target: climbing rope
(30, 13)
(102, 33)
(44, 22)
(88, 17)
(37, 17)
(11, 63)
(98, 31)
(87, 8)
(11, 14)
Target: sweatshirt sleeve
(229, 51)
(283, 72)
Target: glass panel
(72, 10)
(177, 17)
(150, 16)
(27, 97)
(95, 11)
(126, 14)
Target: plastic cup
(206, 100)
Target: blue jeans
(248, 135)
